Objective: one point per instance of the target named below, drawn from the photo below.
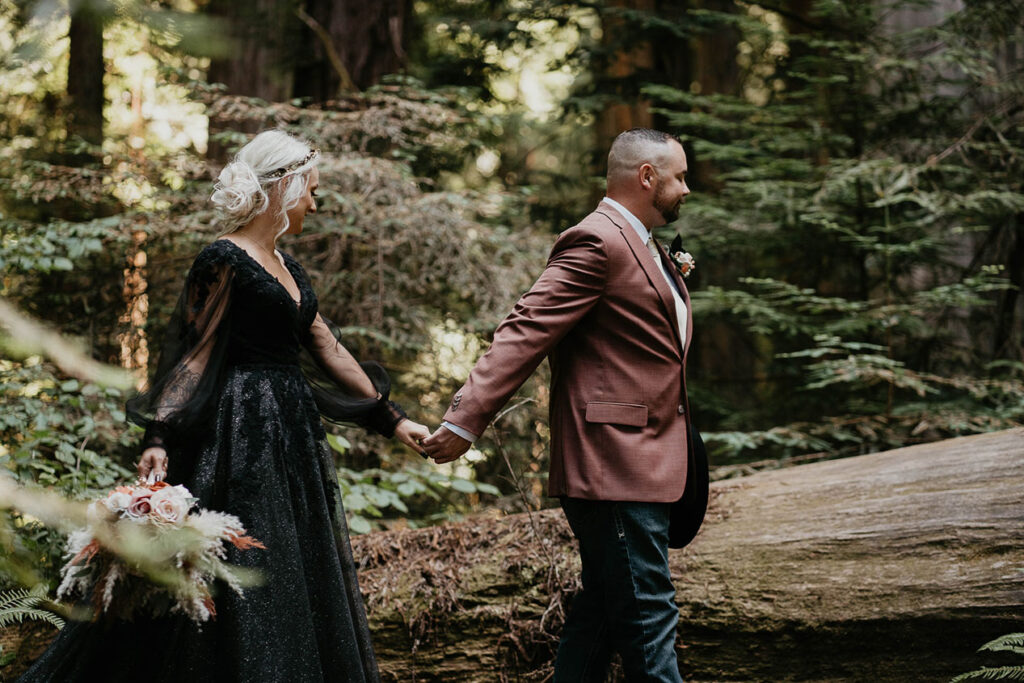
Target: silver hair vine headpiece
(285, 170)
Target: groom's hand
(445, 445)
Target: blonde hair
(273, 165)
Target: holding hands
(412, 434)
(445, 445)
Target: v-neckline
(297, 302)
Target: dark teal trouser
(627, 604)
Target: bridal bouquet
(145, 549)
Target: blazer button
(681, 409)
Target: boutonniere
(683, 260)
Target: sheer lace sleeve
(347, 391)
(177, 402)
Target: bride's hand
(411, 434)
(152, 465)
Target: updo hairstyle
(272, 166)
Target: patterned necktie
(680, 305)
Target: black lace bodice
(232, 313)
(267, 325)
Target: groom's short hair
(635, 147)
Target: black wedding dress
(244, 378)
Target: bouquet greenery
(167, 553)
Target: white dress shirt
(645, 237)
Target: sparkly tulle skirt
(263, 459)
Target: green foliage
(1013, 642)
(28, 248)
(863, 183)
(52, 427)
(18, 605)
(417, 495)
(62, 434)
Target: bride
(233, 413)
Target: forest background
(857, 214)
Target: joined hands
(445, 445)
(412, 434)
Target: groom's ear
(646, 176)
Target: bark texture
(887, 567)
(368, 39)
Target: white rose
(117, 502)
(171, 504)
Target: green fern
(996, 673)
(18, 605)
(1012, 642)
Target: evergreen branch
(787, 14)
(966, 137)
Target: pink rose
(140, 504)
(171, 504)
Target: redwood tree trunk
(85, 74)
(369, 38)
(629, 63)
(259, 62)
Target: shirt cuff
(459, 431)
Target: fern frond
(996, 673)
(18, 605)
(1011, 642)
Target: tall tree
(316, 49)
(259, 63)
(85, 72)
(685, 44)
(350, 45)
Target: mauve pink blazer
(603, 314)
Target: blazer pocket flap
(630, 414)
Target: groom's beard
(667, 206)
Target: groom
(612, 314)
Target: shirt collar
(642, 231)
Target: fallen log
(894, 566)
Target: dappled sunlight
(144, 108)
